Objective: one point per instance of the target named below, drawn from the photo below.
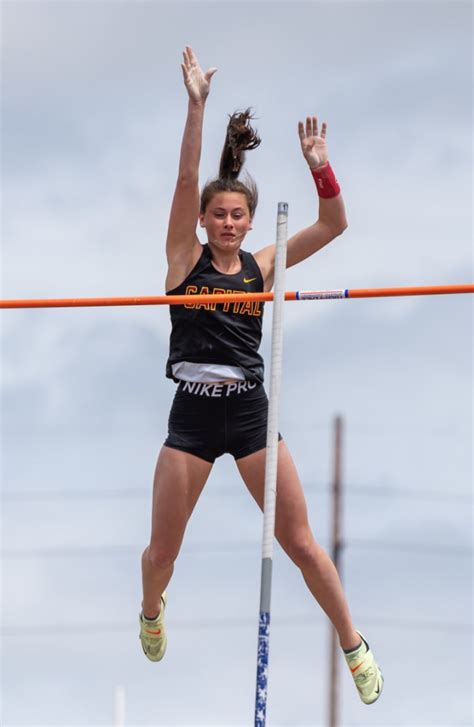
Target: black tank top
(226, 333)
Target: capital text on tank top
(250, 308)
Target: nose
(228, 222)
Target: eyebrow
(234, 209)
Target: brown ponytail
(240, 137)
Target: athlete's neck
(225, 261)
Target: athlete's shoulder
(247, 255)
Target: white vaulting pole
(271, 468)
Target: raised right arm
(182, 244)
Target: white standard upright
(271, 467)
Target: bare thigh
(179, 480)
(291, 517)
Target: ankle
(351, 642)
(149, 618)
(147, 612)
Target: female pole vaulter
(220, 403)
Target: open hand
(313, 144)
(197, 83)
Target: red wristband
(326, 182)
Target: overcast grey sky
(93, 108)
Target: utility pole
(336, 553)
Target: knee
(301, 548)
(159, 557)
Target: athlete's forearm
(333, 213)
(192, 141)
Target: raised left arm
(331, 220)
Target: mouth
(228, 236)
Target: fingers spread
(311, 128)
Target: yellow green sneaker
(365, 672)
(153, 633)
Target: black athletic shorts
(208, 420)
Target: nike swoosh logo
(249, 280)
(357, 667)
(154, 632)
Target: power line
(143, 492)
(203, 548)
(218, 623)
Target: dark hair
(240, 137)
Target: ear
(201, 220)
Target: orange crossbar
(413, 290)
(237, 297)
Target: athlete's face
(227, 220)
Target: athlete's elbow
(339, 228)
(334, 227)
